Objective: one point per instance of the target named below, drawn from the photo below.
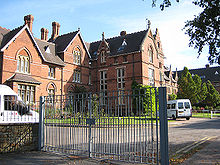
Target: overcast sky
(111, 16)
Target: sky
(111, 17)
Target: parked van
(13, 109)
(180, 108)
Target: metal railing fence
(117, 125)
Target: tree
(203, 30)
(172, 96)
(212, 97)
(197, 93)
(186, 86)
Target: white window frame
(77, 76)
(121, 85)
(151, 75)
(103, 58)
(103, 87)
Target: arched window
(77, 56)
(150, 53)
(51, 92)
(23, 61)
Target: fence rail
(206, 113)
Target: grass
(105, 121)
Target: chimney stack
(28, 19)
(123, 33)
(55, 30)
(44, 34)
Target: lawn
(104, 121)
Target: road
(183, 132)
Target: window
(173, 106)
(103, 57)
(51, 72)
(121, 78)
(90, 77)
(150, 53)
(158, 45)
(151, 77)
(23, 62)
(180, 105)
(187, 105)
(103, 87)
(51, 93)
(115, 60)
(125, 59)
(77, 76)
(168, 106)
(77, 56)
(10, 102)
(27, 93)
(121, 84)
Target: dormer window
(77, 56)
(123, 45)
(216, 73)
(47, 49)
(103, 58)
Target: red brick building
(33, 67)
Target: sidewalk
(209, 155)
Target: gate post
(41, 124)
(163, 126)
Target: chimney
(55, 30)
(123, 33)
(207, 66)
(44, 34)
(28, 19)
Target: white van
(180, 108)
(13, 109)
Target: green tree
(186, 86)
(172, 96)
(197, 91)
(212, 96)
(203, 93)
(203, 30)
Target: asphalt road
(184, 133)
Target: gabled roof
(63, 41)
(12, 35)
(210, 73)
(51, 56)
(7, 35)
(133, 41)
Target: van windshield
(180, 105)
(187, 105)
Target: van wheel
(174, 118)
(187, 118)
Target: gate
(117, 125)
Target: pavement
(208, 153)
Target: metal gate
(117, 125)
